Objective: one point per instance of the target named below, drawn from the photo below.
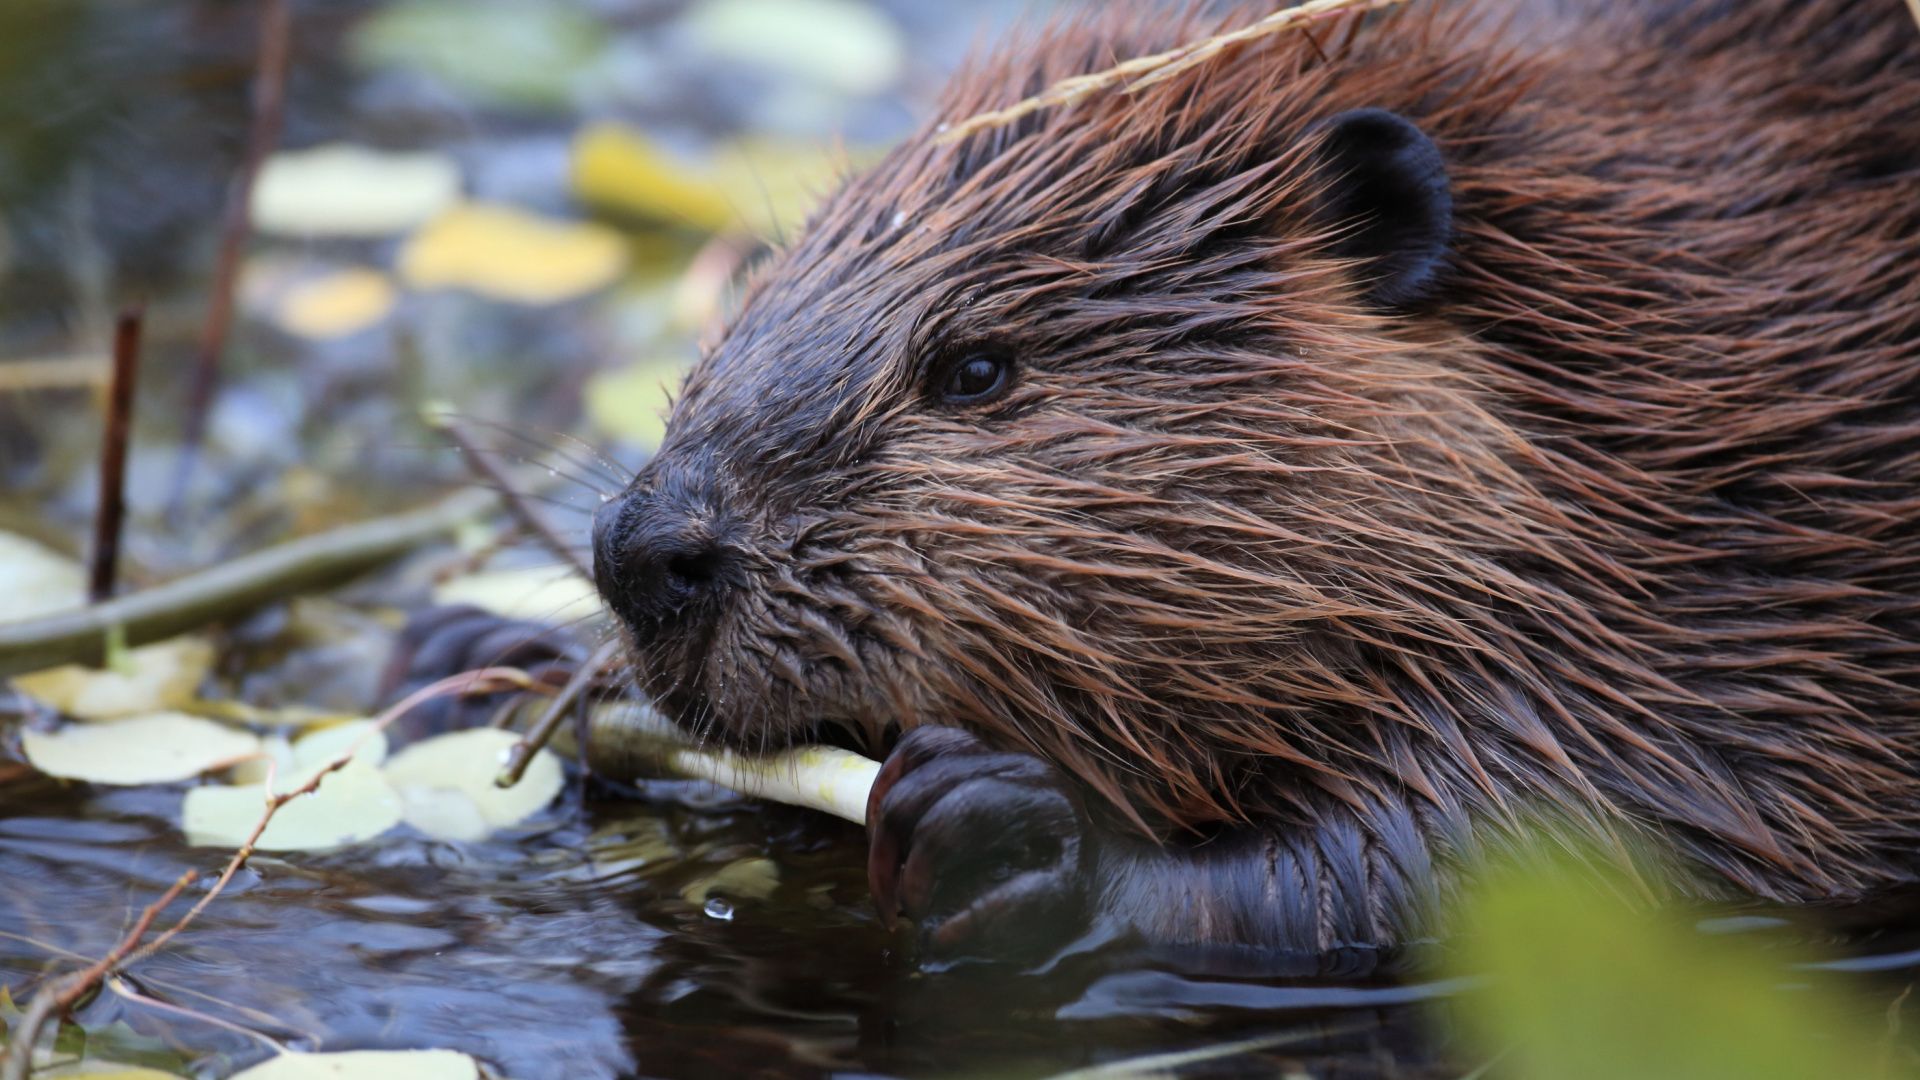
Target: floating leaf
(767, 186)
(548, 594)
(843, 45)
(354, 804)
(366, 1065)
(444, 814)
(509, 254)
(342, 190)
(275, 756)
(466, 762)
(36, 580)
(165, 675)
(337, 304)
(368, 741)
(163, 748)
(511, 52)
(630, 403)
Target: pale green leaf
(351, 805)
(162, 748)
(366, 1065)
(466, 763)
(343, 190)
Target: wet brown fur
(1622, 521)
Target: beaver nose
(654, 561)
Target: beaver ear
(1387, 192)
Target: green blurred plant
(1582, 985)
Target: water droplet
(719, 909)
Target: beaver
(1237, 505)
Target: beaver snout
(656, 561)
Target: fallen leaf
(343, 190)
(337, 304)
(276, 756)
(510, 52)
(842, 45)
(366, 1065)
(630, 403)
(443, 814)
(466, 762)
(509, 254)
(35, 580)
(165, 675)
(767, 186)
(351, 805)
(322, 745)
(163, 748)
(546, 594)
(619, 168)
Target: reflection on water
(590, 947)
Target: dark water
(589, 947)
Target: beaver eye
(976, 379)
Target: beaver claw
(984, 849)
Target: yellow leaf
(618, 168)
(764, 185)
(630, 403)
(163, 675)
(509, 254)
(336, 305)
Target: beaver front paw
(986, 850)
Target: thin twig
(542, 730)
(79, 637)
(269, 106)
(55, 999)
(1145, 71)
(110, 517)
(120, 989)
(488, 470)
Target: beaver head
(1115, 432)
